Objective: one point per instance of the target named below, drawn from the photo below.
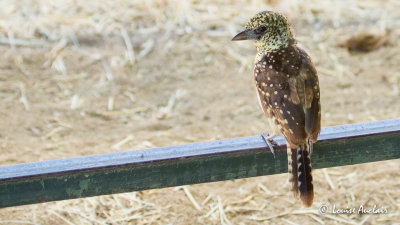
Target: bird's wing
(281, 102)
(312, 104)
(292, 101)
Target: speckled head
(270, 30)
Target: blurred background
(90, 77)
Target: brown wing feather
(312, 98)
(287, 91)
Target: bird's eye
(261, 30)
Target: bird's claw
(269, 140)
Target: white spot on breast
(281, 111)
(271, 85)
(275, 92)
(257, 71)
(276, 103)
(263, 84)
(287, 61)
(286, 121)
(270, 66)
(268, 78)
(264, 62)
(288, 112)
(285, 96)
(292, 118)
(291, 131)
(287, 75)
(267, 94)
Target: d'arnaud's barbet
(288, 92)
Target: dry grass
(90, 77)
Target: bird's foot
(269, 140)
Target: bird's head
(269, 30)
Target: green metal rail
(189, 164)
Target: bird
(288, 92)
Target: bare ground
(78, 77)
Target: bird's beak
(245, 35)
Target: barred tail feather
(299, 166)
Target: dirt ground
(91, 77)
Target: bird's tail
(299, 166)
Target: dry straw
(88, 77)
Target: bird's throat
(265, 48)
